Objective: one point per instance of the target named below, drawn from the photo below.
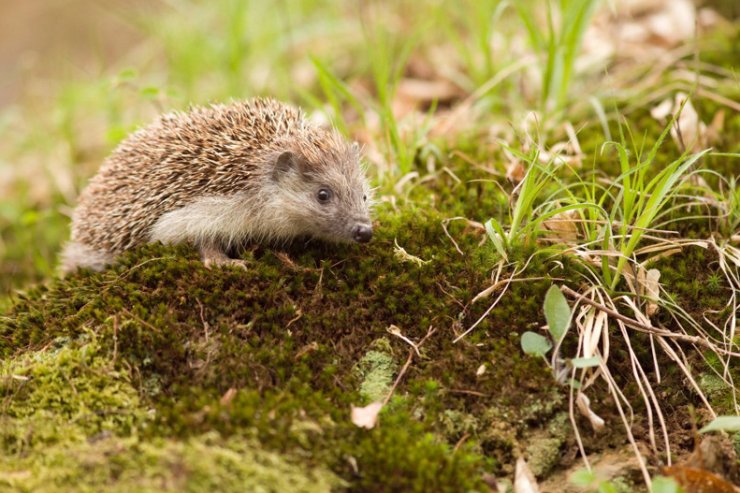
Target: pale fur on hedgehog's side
(217, 176)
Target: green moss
(543, 448)
(377, 369)
(198, 464)
(65, 394)
(278, 353)
(400, 456)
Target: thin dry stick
(648, 395)
(414, 349)
(571, 411)
(447, 221)
(485, 314)
(140, 320)
(616, 393)
(495, 286)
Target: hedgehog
(220, 176)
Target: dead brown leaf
(562, 227)
(367, 416)
(524, 480)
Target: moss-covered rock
(181, 361)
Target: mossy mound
(159, 360)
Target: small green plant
(529, 211)
(589, 482)
(625, 211)
(640, 201)
(559, 317)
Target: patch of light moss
(456, 423)
(543, 449)
(377, 369)
(65, 394)
(204, 463)
(72, 421)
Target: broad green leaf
(583, 478)
(662, 484)
(557, 313)
(535, 344)
(585, 362)
(723, 423)
(607, 487)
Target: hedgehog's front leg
(213, 255)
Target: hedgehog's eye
(364, 198)
(324, 195)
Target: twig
(414, 349)
(115, 337)
(203, 318)
(141, 321)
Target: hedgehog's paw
(216, 257)
(233, 262)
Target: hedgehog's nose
(362, 233)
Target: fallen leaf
(584, 405)
(663, 110)
(228, 396)
(563, 227)
(515, 171)
(647, 280)
(524, 480)
(366, 417)
(688, 131)
(673, 23)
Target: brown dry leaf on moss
(648, 282)
(584, 406)
(367, 416)
(562, 227)
(524, 480)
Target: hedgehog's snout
(362, 233)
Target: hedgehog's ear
(285, 162)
